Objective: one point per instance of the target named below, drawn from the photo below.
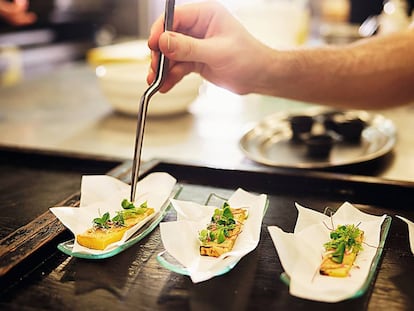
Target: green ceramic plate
(170, 263)
(374, 265)
(67, 246)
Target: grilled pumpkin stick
(106, 230)
(341, 251)
(222, 231)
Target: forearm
(375, 74)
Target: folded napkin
(180, 238)
(103, 193)
(301, 252)
(410, 231)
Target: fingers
(189, 47)
(156, 31)
(169, 46)
(191, 19)
(183, 53)
(15, 13)
(23, 4)
(180, 47)
(22, 19)
(176, 73)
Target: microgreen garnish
(102, 222)
(220, 226)
(119, 220)
(127, 204)
(344, 238)
(129, 210)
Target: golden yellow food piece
(100, 238)
(332, 268)
(215, 249)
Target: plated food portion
(331, 258)
(341, 250)
(319, 138)
(106, 230)
(105, 223)
(221, 233)
(209, 240)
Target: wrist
(277, 72)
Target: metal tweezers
(152, 89)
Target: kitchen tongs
(152, 89)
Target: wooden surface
(135, 280)
(29, 185)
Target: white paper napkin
(301, 252)
(410, 231)
(180, 238)
(103, 193)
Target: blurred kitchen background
(66, 29)
(71, 82)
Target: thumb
(179, 47)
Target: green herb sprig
(129, 210)
(343, 238)
(222, 222)
(103, 222)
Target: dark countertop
(134, 279)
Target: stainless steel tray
(269, 142)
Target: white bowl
(124, 83)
